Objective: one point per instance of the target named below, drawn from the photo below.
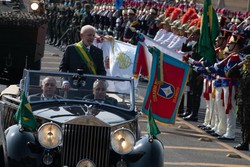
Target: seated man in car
(49, 88)
(99, 92)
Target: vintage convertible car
(74, 131)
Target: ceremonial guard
(165, 32)
(229, 85)
(177, 42)
(215, 117)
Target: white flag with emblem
(121, 62)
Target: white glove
(190, 61)
(195, 68)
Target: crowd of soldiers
(66, 18)
(170, 24)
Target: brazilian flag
(209, 31)
(151, 125)
(24, 115)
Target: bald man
(49, 88)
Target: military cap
(190, 29)
(160, 18)
(196, 31)
(183, 27)
(166, 21)
(176, 24)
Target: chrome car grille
(90, 142)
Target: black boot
(189, 106)
(191, 117)
(245, 140)
(181, 107)
(242, 146)
(196, 106)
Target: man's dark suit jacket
(72, 61)
(38, 97)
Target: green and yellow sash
(85, 56)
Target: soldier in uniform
(131, 26)
(152, 23)
(243, 103)
(196, 79)
(113, 17)
(118, 25)
(87, 18)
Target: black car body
(85, 132)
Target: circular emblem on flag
(166, 90)
(123, 60)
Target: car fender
(19, 146)
(148, 152)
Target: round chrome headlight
(34, 5)
(50, 135)
(85, 163)
(122, 141)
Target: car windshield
(42, 87)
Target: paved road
(184, 143)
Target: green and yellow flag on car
(151, 125)
(24, 115)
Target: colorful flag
(24, 115)
(151, 125)
(165, 87)
(142, 62)
(143, 57)
(210, 29)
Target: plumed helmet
(166, 21)
(190, 29)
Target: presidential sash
(85, 56)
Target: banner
(120, 56)
(143, 61)
(210, 29)
(166, 86)
(143, 58)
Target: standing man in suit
(83, 55)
